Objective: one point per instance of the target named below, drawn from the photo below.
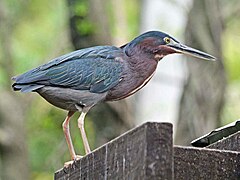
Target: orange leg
(81, 127)
(66, 131)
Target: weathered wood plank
(231, 143)
(145, 152)
(201, 163)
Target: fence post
(146, 152)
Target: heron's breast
(131, 82)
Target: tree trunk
(91, 27)
(203, 96)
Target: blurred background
(196, 96)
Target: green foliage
(3, 79)
(232, 63)
(231, 108)
(35, 36)
(231, 44)
(81, 10)
(133, 16)
(85, 27)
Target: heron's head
(160, 44)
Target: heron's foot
(72, 162)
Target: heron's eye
(167, 40)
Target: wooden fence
(147, 152)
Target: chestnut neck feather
(138, 70)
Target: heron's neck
(137, 72)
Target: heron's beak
(183, 49)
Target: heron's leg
(66, 131)
(81, 127)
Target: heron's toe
(78, 157)
(72, 162)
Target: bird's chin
(158, 57)
(164, 51)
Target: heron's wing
(95, 69)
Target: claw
(72, 162)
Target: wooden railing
(147, 152)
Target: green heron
(79, 80)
